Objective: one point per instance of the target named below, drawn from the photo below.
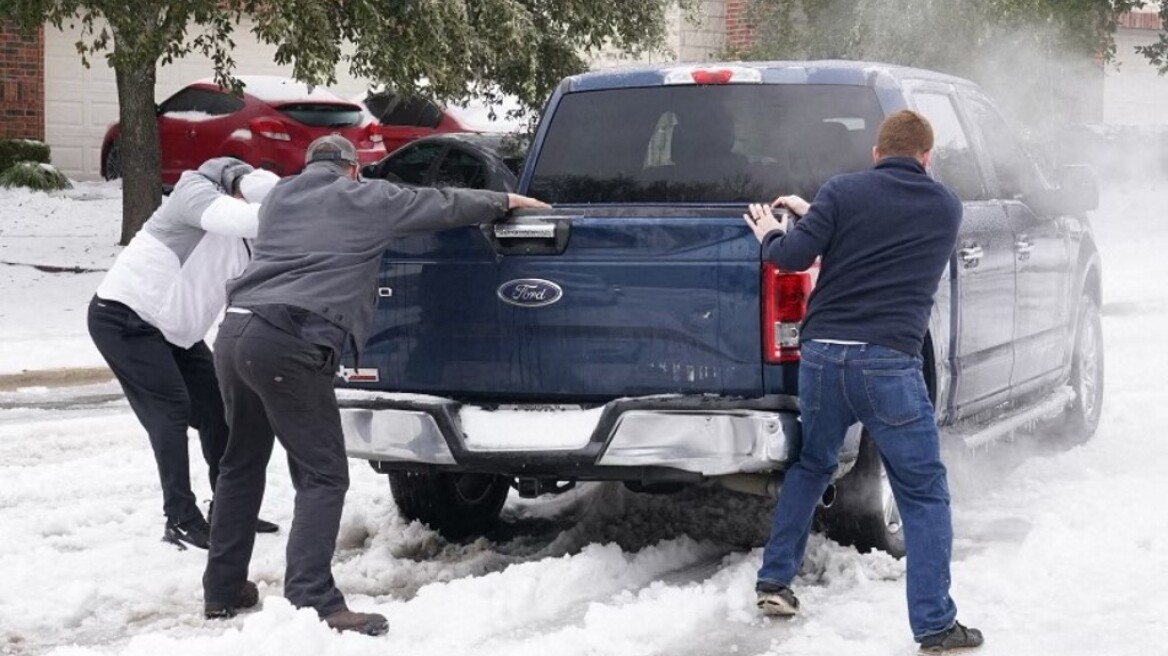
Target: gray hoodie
(173, 272)
(322, 234)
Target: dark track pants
(277, 385)
(169, 388)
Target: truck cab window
(1016, 174)
(727, 143)
(953, 160)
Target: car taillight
(784, 304)
(373, 133)
(271, 128)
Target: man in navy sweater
(885, 236)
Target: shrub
(34, 175)
(22, 150)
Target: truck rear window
(720, 143)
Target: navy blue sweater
(885, 236)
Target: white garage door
(81, 103)
(1133, 92)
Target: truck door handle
(971, 255)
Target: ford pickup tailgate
(579, 303)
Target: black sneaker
(248, 597)
(776, 600)
(955, 640)
(195, 532)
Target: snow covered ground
(42, 313)
(1058, 551)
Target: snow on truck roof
(274, 89)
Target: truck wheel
(864, 514)
(1082, 417)
(455, 505)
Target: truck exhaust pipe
(766, 485)
(759, 485)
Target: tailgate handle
(530, 234)
(525, 231)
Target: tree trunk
(138, 137)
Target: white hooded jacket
(174, 272)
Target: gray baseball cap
(331, 148)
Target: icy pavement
(1057, 551)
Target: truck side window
(1016, 174)
(953, 160)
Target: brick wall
(22, 83)
(739, 33)
(1141, 20)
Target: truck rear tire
(1081, 418)
(864, 514)
(456, 505)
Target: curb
(68, 377)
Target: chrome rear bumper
(699, 435)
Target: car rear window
(717, 143)
(321, 115)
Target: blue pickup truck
(631, 333)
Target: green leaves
(447, 48)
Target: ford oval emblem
(530, 292)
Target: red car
(270, 126)
(404, 119)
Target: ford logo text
(530, 292)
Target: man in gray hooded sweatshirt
(152, 311)
(307, 292)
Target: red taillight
(271, 128)
(714, 76)
(784, 303)
(373, 133)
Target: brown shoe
(248, 597)
(370, 624)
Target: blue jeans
(884, 390)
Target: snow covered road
(1058, 550)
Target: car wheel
(864, 513)
(1081, 418)
(455, 505)
(113, 161)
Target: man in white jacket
(155, 306)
